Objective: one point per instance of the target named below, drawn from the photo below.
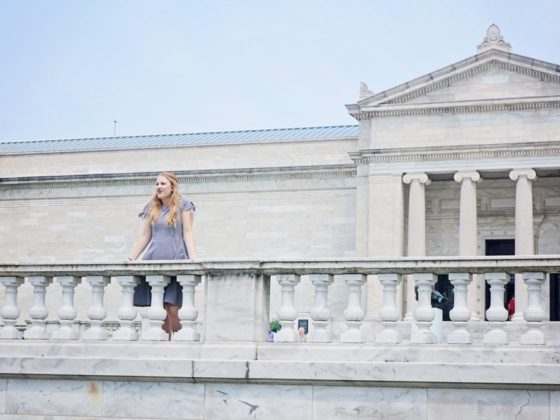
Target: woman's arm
(145, 238)
(188, 235)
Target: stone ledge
(343, 365)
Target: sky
(70, 68)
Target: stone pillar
(287, 313)
(96, 312)
(188, 313)
(354, 313)
(534, 313)
(320, 313)
(416, 229)
(496, 314)
(524, 238)
(461, 313)
(10, 311)
(156, 314)
(468, 233)
(126, 313)
(67, 313)
(38, 312)
(423, 312)
(389, 312)
(237, 307)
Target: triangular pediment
(491, 75)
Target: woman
(168, 231)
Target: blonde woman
(168, 235)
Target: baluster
(287, 313)
(354, 313)
(67, 313)
(389, 312)
(188, 313)
(156, 314)
(496, 314)
(534, 312)
(38, 312)
(127, 313)
(10, 311)
(96, 312)
(320, 313)
(424, 313)
(460, 314)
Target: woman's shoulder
(186, 205)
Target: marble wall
(34, 399)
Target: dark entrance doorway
(501, 247)
(555, 297)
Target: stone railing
(235, 299)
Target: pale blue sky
(71, 67)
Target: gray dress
(167, 244)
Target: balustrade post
(354, 313)
(460, 314)
(67, 313)
(39, 311)
(156, 314)
(188, 313)
(389, 312)
(96, 312)
(287, 313)
(10, 311)
(126, 312)
(496, 314)
(424, 313)
(237, 306)
(534, 313)
(320, 313)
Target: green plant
(275, 325)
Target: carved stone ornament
(494, 39)
(364, 91)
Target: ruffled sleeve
(186, 205)
(145, 212)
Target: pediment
(492, 75)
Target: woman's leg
(171, 323)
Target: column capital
(460, 176)
(526, 172)
(421, 177)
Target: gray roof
(178, 140)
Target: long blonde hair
(156, 204)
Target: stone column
(416, 229)
(468, 233)
(354, 313)
(461, 313)
(96, 312)
(534, 313)
(156, 314)
(320, 313)
(524, 238)
(10, 311)
(423, 312)
(126, 312)
(389, 312)
(38, 312)
(67, 313)
(188, 313)
(496, 314)
(287, 313)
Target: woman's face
(163, 188)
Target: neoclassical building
(462, 161)
(345, 228)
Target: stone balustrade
(235, 299)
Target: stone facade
(334, 197)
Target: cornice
(457, 153)
(503, 105)
(184, 177)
